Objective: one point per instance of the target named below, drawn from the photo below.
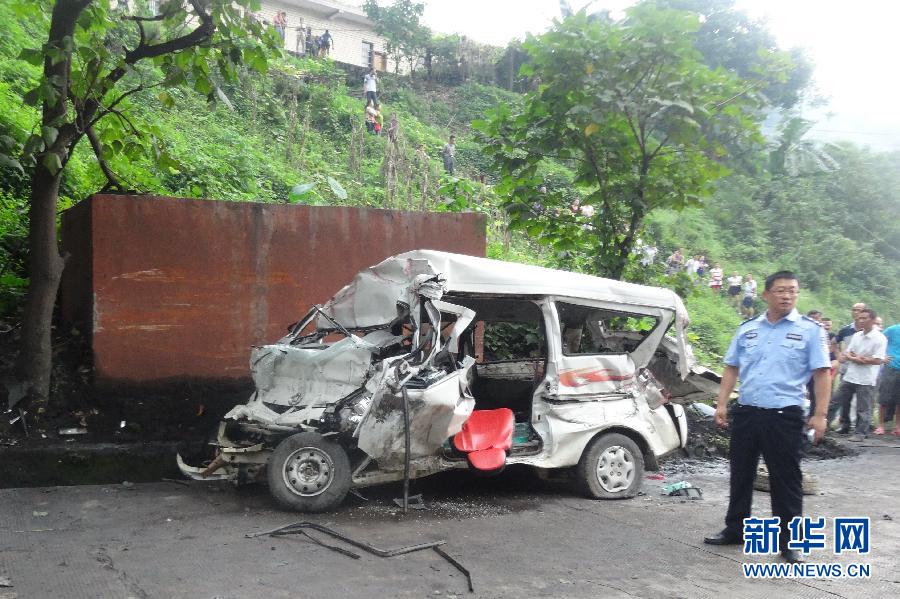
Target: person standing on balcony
(280, 22)
(325, 43)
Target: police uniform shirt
(775, 361)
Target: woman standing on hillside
(715, 278)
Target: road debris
(761, 483)
(73, 431)
(340, 550)
(298, 526)
(356, 493)
(414, 502)
(5, 582)
(301, 528)
(683, 489)
(703, 409)
(457, 565)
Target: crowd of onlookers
(741, 290)
(375, 122)
(306, 42)
(318, 46)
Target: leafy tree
(729, 38)
(632, 108)
(96, 58)
(399, 23)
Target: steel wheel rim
(308, 471)
(615, 469)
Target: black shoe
(843, 431)
(792, 556)
(725, 537)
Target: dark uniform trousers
(777, 435)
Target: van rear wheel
(309, 473)
(611, 467)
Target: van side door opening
(512, 360)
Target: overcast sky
(855, 46)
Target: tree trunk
(45, 269)
(45, 265)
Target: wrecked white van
(430, 361)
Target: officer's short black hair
(812, 313)
(781, 274)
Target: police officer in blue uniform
(773, 355)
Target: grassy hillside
(302, 125)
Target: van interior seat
(486, 437)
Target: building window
(368, 53)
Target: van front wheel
(611, 467)
(309, 473)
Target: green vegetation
(296, 134)
(97, 56)
(631, 108)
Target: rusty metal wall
(180, 288)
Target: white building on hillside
(354, 39)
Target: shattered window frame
(588, 332)
(503, 310)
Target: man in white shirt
(370, 85)
(864, 356)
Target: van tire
(611, 467)
(308, 473)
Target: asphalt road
(519, 536)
